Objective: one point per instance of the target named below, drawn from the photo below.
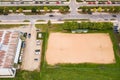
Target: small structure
(10, 45)
(80, 31)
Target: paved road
(57, 17)
(54, 4)
(72, 15)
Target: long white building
(10, 45)
(29, 0)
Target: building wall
(30, 0)
(7, 72)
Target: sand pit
(79, 48)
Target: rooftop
(8, 46)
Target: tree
(66, 9)
(1, 10)
(84, 9)
(45, 9)
(61, 9)
(89, 11)
(38, 10)
(74, 25)
(66, 25)
(111, 9)
(94, 9)
(49, 25)
(20, 10)
(6, 10)
(33, 10)
(50, 10)
(14, 9)
(117, 9)
(99, 9)
(105, 10)
(70, 25)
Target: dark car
(22, 2)
(36, 59)
(5, 14)
(114, 16)
(51, 15)
(47, 2)
(113, 2)
(29, 35)
(41, 2)
(23, 44)
(36, 2)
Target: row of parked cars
(108, 2)
(37, 2)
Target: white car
(37, 51)
(38, 42)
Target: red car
(108, 2)
(89, 3)
(57, 2)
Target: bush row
(88, 25)
(111, 9)
(6, 10)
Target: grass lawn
(6, 26)
(53, 27)
(80, 71)
(25, 75)
(76, 20)
(72, 71)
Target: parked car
(36, 59)
(114, 16)
(23, 44)
(113, 2)
(51, 15)
(20, 59)
(47, 2)
(36, 2)
(38, 30)
(37, 51)
(29, 35)
(41, 2)
(38, 42)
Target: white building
(10, 45)
(30, 0)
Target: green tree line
(34, 9)
(87, 25)
(110, 9)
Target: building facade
(10, 45)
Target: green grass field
(25, 75)
(7, 26)
(81, 71)
(72, 71)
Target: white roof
(9, 42)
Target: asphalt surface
(72, 15)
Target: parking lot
(31, 55)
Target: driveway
(28, 62)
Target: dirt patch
(79, 48)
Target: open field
(7, 26)
(79, 48)
(82, 71)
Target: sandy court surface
(79, 48)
